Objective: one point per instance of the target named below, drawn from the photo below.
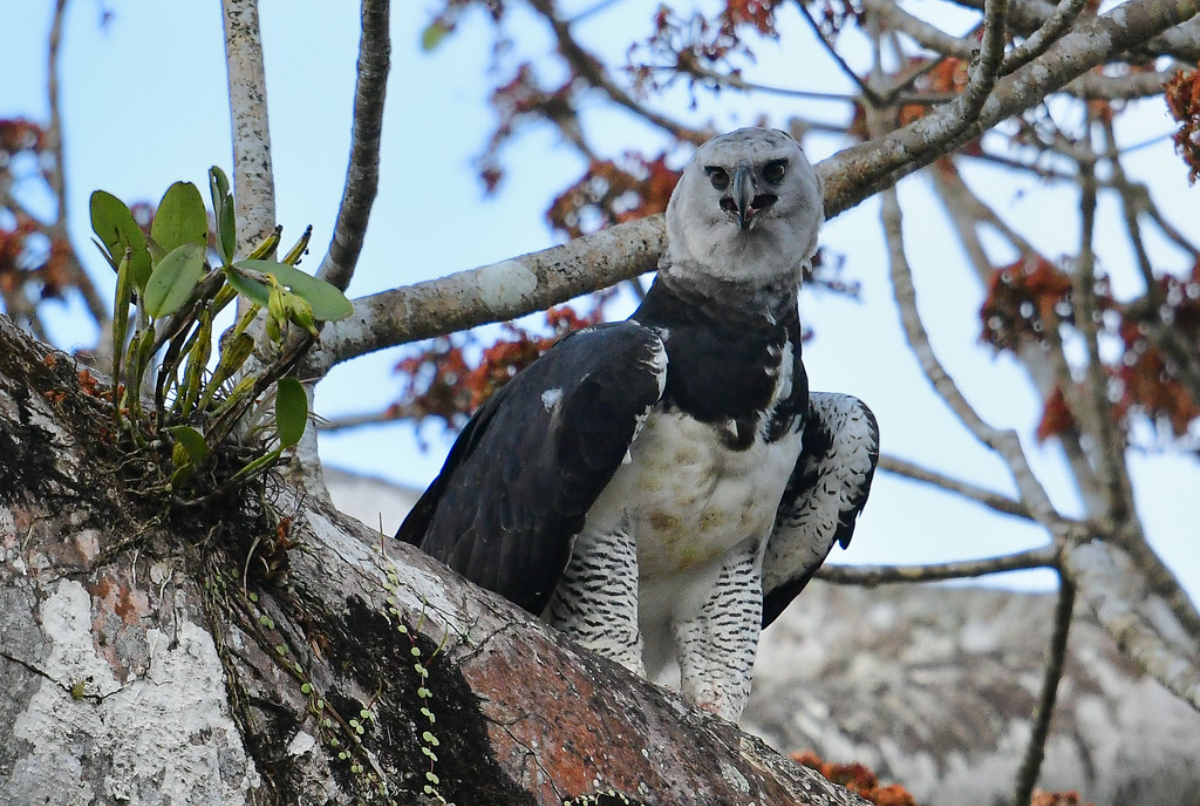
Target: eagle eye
(775, 170)
(718, 177)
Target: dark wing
(522, 475)
(823, 497)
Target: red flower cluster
(858, 779)
(1024, 299)
(612, 194)
(1183, 101)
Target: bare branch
(592, 71)
(966, 211)
(1181, 40)
(1046, 368)
(59, 231)
(57, 176)
(349, 421)
(991, 500)
(1168, 339)
(1096, 87)
(735, 81)
(1056, 656)
(925, 34)
(1115, 590)
(871, 575)
(1168, 229)
(860, 171)
(1041, 39)
(868, 92)
(1004, 442)
(1160, 579)
(362, 174)
(253, 177)
(1094, 409)
(495, 293)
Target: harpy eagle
(661, 488)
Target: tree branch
(1041, 39)
(1097, 87)
(552, 276)
(1168, 339)
(344, 658)
(362, 174)
(992, 500)
(985, 68)
(1115, 590)
(1182, 42)
(1095, 410)
(869, 92)
(253, 176)
(871, 575)
(1045, 367)
(591, 70)
(1005, 443)
(494, 293)
(925, 34)
(59, 231)
(863, 170)
(1056, 656)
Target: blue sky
(144, 105)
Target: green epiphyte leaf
(174, 279)
(291, 411)
(180, 218)
(192, 442)
(227, 231)
(222, 205)
(115, 226)
(218, 184)
(248, 287)
(328, 303)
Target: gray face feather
(747, 208)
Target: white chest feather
(696, 498)
(687, 497)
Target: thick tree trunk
(217, 655)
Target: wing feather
(823, 498)
(518, 483)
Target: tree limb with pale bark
(271, 650)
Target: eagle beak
(743, 195)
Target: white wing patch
(550, 398)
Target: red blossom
(1024, 298)
(859, 779)
(520, 100)
(611, 193)
(1069, 798)
(758, 13)
(19, 134)
(1150, 381)
(1056, 417)
(1182, 93)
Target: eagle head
(747, 209)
